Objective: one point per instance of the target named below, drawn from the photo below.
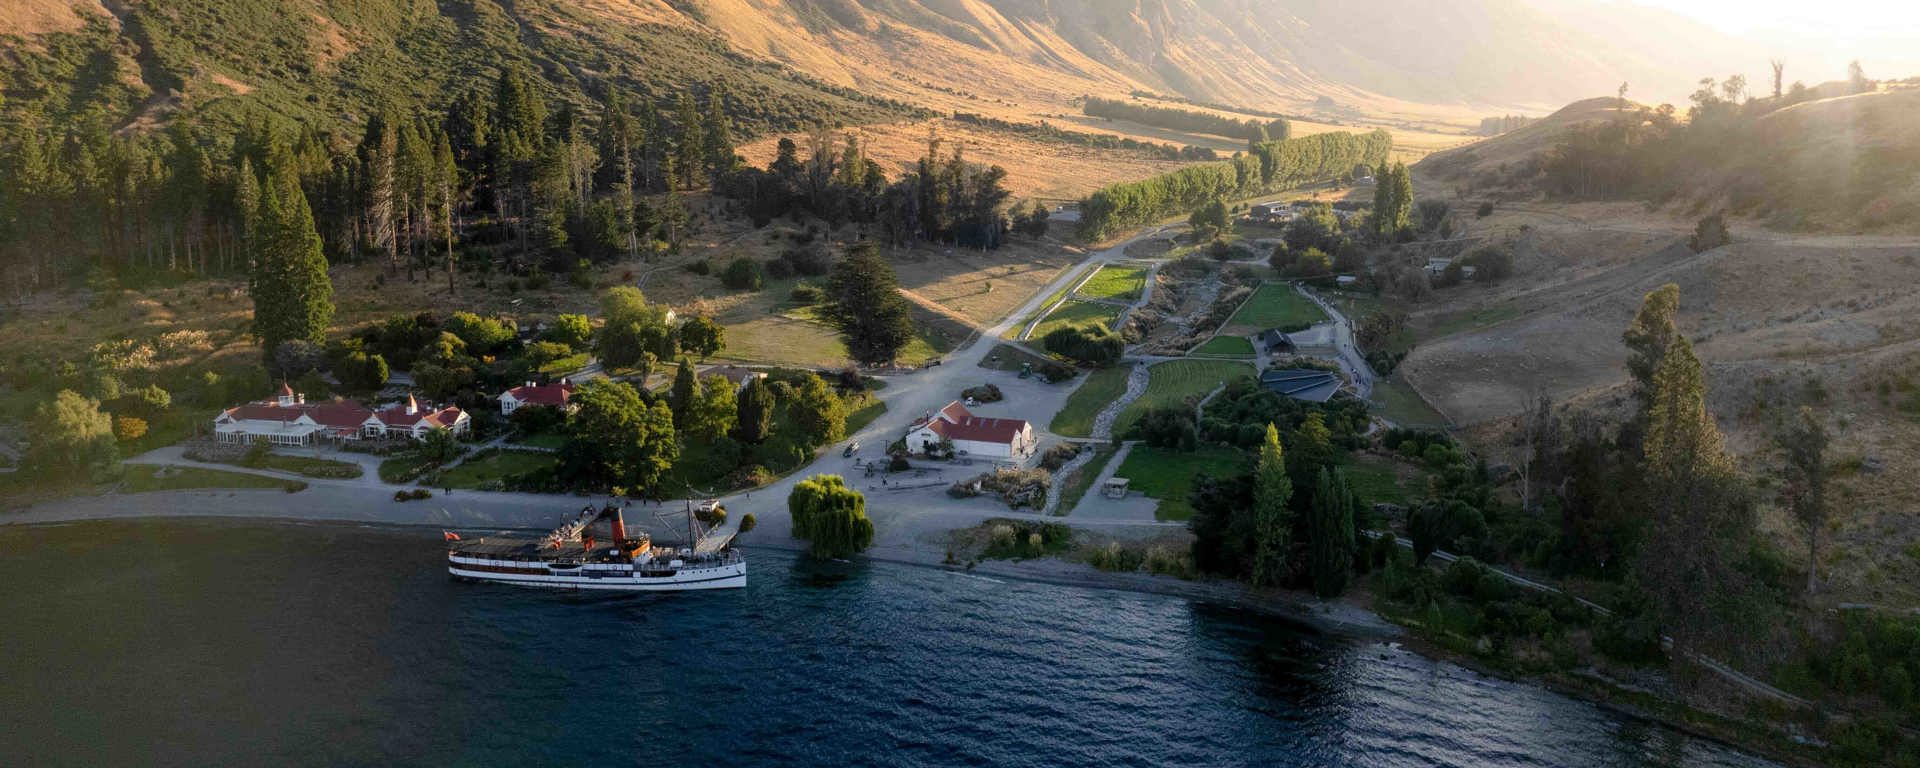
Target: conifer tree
(1273, 519)
(756, 405)
(866, 307)
(379, 166)
(1331, 533)
(719, 136)
(445, 197)
(690, 154)
(292, 295)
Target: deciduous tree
(830, 516)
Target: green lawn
(1174, 381)
(1077, 313)
(308, 466)
(863, 415)
(143, 478)
(1168, 475)
(1076, 485)
(1394, 401)
(1103, 386)
(496, 465)
(402, 467)
(553, 440)
(1225, 346)
(1057, 295)
(1115, 282)
(1275, 305)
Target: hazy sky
(1818, 37)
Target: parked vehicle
(852, 448)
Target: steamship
(573, 556)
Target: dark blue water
(202, 643)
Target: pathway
(1136, 386)
(1134, 508)
(1347, 351)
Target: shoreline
(1346, 619)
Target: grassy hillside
(338, 60)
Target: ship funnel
(619, 527)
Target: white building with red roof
(974, 435)
(289, 419)
(549, 395)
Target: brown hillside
(38, 17)
(1511, 158)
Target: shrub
(743, 274)
(700, 267)
(748, 522)
(1485, 210)
(779, 269)
(1054, 372)
(1058, 456)
(1090, 344)
(898, 463)
(1168, 426)
(985, 393)
(807, 293)
(416, 494)
(127, 429)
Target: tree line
(1269, 167)
(499, 168)
(1251, 131)
(943, 198)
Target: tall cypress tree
(719, 135)
(690, 147)
(292, 295)
(1273, 519)
(1331, 534)
(680, 397)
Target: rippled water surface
(197, 643)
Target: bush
(1089, 344)
(898, 463)
(1058, 456)
(779, 269)
(748, 522)
(1054, 372)
(700, 267)
(127, 429)
(1168, 426)
(985, 393)
(743, 274)
(416, 494)
(807, 293)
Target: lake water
(241, 643)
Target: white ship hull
(730, 573)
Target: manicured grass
(1169, 475)
(1225, 346)
(1115, 282)
(1052, 298)
(1275, 305)
(865, 414)
(553, 440)
(1469, 320)
(144, 478)
(1103, 386)
(1077, 313)
(403, 467)
(1078, 483)
(1394, 401)
(308, 466)
(496, 465)
(1174, 381)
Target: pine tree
(866, 307)
(1331, 533)
(756, 405)
(690, 145)
(1273, 519)
(719, 136)
(379, 193)
(292, 295)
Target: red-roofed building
(290, 420)
(549, 395)
(973, 435)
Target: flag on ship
(451, 536)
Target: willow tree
(830, 516)
(1273, 519)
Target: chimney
(619, 528)
(300, 398)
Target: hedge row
(1270, 167)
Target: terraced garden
(1115, 282)
(1077, 313)
(1172, 382)
(1103, 386)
